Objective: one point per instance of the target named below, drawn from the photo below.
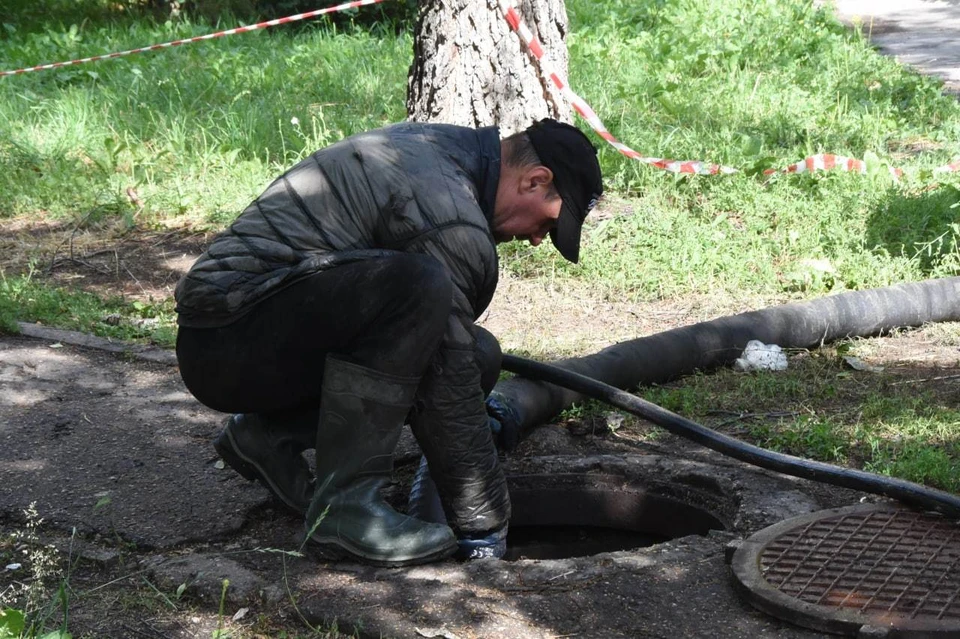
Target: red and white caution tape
(586, 112)
(948, 168)
(209, 36)
(824, 162)
(821, 162)
(829, 162)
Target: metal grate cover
(866, 569)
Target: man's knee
(409, 292)
(490, 358)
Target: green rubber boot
(361, 414)
(269, 449)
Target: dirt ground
(115, 454)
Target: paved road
(921, 33)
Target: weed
(27, 605)
(162, 596)
(220, 633)
(25, 297)
(818, 410)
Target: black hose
(907, 492)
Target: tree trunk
(469, 67)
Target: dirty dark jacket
(411, 187)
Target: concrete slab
(112, 446)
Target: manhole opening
(557, 517)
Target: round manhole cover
(868, 570)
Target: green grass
(198, 144)
(200, 130)
(22, 296)
(756, 85)
(689, 79)
(821, 409)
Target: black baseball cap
(568, 153)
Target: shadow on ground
(114, 448)
(108, 259)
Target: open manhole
(557, 516)
(870, 571)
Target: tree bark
(469, 67)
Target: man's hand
(504, 421)
(492, 544)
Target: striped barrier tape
(824, 161)
(209, 36)
(586, 112)
(830, 162)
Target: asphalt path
(924, 34)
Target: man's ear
(537, 177)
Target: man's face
(527, 206)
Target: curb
(76, 338)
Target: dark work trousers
(387, 313)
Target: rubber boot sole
(230, 453)
(336, 550)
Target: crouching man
(341, 304)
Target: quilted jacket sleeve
(450, 420)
